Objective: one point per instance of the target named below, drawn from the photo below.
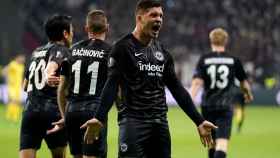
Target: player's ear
(86, 28)
(138, 17)
(66, 34)
(107, 28)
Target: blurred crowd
(252, 25)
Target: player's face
(152, 21)
(69, 36)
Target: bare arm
(61, 94)
(24, 84)
(246, 89)
(197, 83)
(50, 72)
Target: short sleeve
(198, 72)
(59, 55)
(65, 68)
(240, 72)
(26, 71)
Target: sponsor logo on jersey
(159, 56)
(150, 67)
(88, 53)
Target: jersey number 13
(219, 76)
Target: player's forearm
(24, 84)
(62, 103)
(61, 96)
(196, 85)
(185, 102)
(108, 96)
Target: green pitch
(260, 137)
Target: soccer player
(42, 109)
(143, 67)
(83, 78)
(14, 73)
(216, 72)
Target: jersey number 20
(92, 68)
(219, 76)
(36, 70)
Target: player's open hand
(204, 130)
(57, 126)
(248, 97)
(52, 80)
(93, 129)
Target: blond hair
(218, 37)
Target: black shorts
(73, 122)
(34, 126)
(144, 139)
(222, 119)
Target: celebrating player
(143, 67)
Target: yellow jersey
(14, 76)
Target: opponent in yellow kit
(14, 75)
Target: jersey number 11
(92, 68)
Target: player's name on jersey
(38, 54)
(88, 53)
(219, 61)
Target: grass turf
(259, 138)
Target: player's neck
(141, 37)
(59, 42)
(100, 36)
(218, 49)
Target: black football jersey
(37, 89)
(218, 71)
(87, 70)
(144, 71)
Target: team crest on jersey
(111, 62)
(159, 56)
(58, 54)
(123, 147)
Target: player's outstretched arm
(108, 96)
(204, 130)
(93, 127)
(184, 100)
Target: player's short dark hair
(55, 25)
(144, 5)
(97, 21)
